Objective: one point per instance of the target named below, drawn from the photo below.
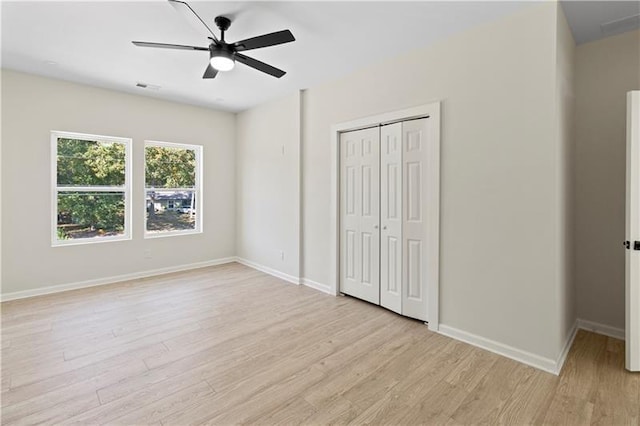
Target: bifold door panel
(360, 214)
(391, 217)
(383, 216)
(414, 277)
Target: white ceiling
(90, 42)
(593, 20)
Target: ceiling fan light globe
(222, 63)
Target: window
(91, 195)
(173, 189)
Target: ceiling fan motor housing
(221, 50)
(222, 22)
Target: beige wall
(605, 71)
(502, 214)
(31, 108)
(268, 185)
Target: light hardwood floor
(228, 345)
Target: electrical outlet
(147, 254)
(281, 255)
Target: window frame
(125, 189)
(197, 189)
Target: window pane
(90, 215)
(168, 167)
(171, 211)
(90, 163)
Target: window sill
(89, 241)
(149, 235)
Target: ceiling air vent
(621, 25)
(147, 86)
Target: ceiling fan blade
(260, 66)
(265, 40)
(183, 8)
(210, 72)
(168, 46)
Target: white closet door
(360, 214)
(415, 224)
(391, 217)
(632, 293)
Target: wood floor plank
(530, 400)
(617, 393)
(230, 345)
(22, 377)
(205, 363)
(288, 413)
(137, 401)
(416, 397)
(60, 413)
(112, 367)
(473, 368)
(581, 370)
(486, 400)
(198, 393)
(569, 410)
(279, 394)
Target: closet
(383, 216)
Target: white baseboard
(546, 364)
(317, 286)
(290, 278)
(110, 280)
(5, 297)
(567, 347)
(606, 330)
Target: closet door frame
(432, 179)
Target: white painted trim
(537, 361)
(605, 330)
(632, 257)
(325, 288)
(126, 189)
(298, 200)
(546, 364)
(111, 280)
(567, 347)
(431, 110)
(267, 270)
(433, 220)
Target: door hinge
(636, 245)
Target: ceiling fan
(223, 55)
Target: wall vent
(147, 86)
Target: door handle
(375, 226)
(384, 227)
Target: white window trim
(126, 189)
(198, 190)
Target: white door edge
(632, 273)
